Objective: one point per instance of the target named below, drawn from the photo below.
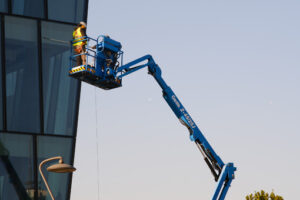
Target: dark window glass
(22, 85)
(3, 6)
(67, 10)
(49, 147)
(59, 89)
(16, 167)
(1, 102)
(33, 8)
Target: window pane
(22, 85)
(16, 167)
(1, 102)
(58, 182)
(60, 90)
(3, 6)
(33, 8)
(67, 11)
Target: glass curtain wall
(3, 6)
(38, 100)
(59, 89)
(16, 181)
(1, 101)
(22, 82)
(72, 11)
(67, 10)
(49, 147)
(32, 8)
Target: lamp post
(60, 167)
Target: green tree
(262, 195)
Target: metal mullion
(86, 6)
(3, 74)
(75, 124)
(38, 18)
(26, 133)
(9, 9)
(46, 9)
(35, 164)
(40, 61)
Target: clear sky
(234, 65)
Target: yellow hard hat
(83, 24)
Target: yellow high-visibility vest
(77, 34)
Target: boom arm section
(107, 72)
(222, 173)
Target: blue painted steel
(109, 76)
(102, 56)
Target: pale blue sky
(234, 65)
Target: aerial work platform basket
(103, 57)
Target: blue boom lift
(105, 69)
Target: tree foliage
(262, 195)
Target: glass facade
(1, 102)
(3, 6)
(30, 8)
(67, 10)
(16, 181)
(38, 100)
(50, 147)
(22, 75)
(70, 11)
(59, 107)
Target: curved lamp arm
(59, 168)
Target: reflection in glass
(59, 89)
(16, 167)
(32, 8)
(3, 6)
(49, 147)
(1, 102)
(67, 10)
(22, 85)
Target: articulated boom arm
(107, 73)
(223, 175)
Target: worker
(111, 57)
(79, 43)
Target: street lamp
(60, 167)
